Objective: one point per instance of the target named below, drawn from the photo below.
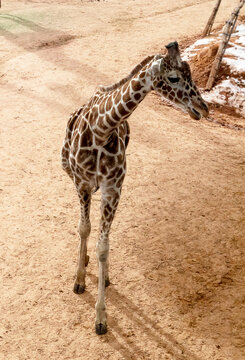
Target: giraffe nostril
(194, 114)
(197, 114)
(204, 106)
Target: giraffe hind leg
(110, 199)
(84, 231)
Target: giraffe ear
(174, 54)
(158, 56)
(156, 65)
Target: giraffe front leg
(84, 231)
(102, 254)
(108, 208)
(107, 280)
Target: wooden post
(227, 31)
(210, 22)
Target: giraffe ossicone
(97, 135)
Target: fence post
(210, 22)
(227, 31)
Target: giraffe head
(171, 77)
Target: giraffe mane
(135, 70)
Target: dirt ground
(177, 242)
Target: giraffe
(93, 153)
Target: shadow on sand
(154, 332)
(43, 41)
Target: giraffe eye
(173, 79)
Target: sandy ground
(177, 243)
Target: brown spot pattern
(137, 96)
(131, 105)
(136, 85)
(86, 138)
(126, 96)
(179, 94)
(122, 110)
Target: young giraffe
(97, 135)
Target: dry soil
(177, 242)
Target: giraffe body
(97, 135)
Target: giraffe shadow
(22, 21)
(128, 350)
(153, 331)
(41, 41)
(40, 38)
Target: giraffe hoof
(100, 329)
(107, 282)
(86, 260)
(78, 289)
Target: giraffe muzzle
(194, 114)
(198, 109)
(204, 109)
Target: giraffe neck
(117, 105)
